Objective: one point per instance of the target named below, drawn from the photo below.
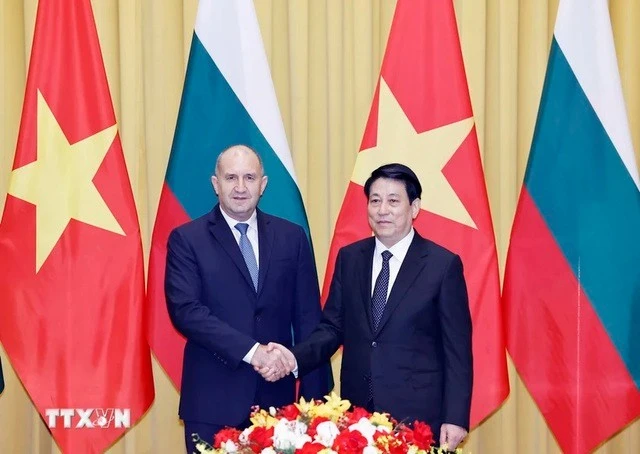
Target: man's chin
(240, 213)
(383, 232)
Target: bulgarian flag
(228, 99)
(72, 280)
(572, 283)
(421, 116)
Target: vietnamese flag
(72, 282)
(421, 116)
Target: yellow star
(426, 153)
(59, 183)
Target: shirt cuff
(249, 356)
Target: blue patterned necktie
(379, 298)
(247, 253)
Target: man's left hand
(451, 436)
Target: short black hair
(398, 172)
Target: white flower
(300, 428)
(230, 446)
(326, 433)
(268, 451)
(301, 440)
(289, 434)
(272, 411)
(244, 436)
(367, 429)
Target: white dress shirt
(252, 231)
(252, 235)
(399, 251)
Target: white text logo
(88, 418)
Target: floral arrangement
(330, 427)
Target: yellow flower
(263, 419)
(333, 408)
(334, 401)
(304, 406)
(381, 419)
(383, 442)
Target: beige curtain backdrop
(325, 57)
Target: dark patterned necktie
(247, 253)
(379, 298)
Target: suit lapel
(265, 242)
(365, 268)
(222, 233)
(411, 267)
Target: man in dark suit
(236, 279)
(398, 304)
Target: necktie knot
(386, 255)
(242, 227)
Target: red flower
(396, 447)
(260, 438)
(289, 412)
(313, 425)
(355, 415)
(310, 448)
(405, 434)
(225, 435)
(422, 435)
(350, 442)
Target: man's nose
(383, 208)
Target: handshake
(273, 361)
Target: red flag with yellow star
(72, 282)
(421, 116)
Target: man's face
(239, 182)
(390, 213)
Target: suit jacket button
(374, 344)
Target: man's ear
(415, 208)
(214, 183)
(263, 184)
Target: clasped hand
(273, 361)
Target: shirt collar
(252, 221)
(399, 250)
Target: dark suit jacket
(419, 360)
(212, 302)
